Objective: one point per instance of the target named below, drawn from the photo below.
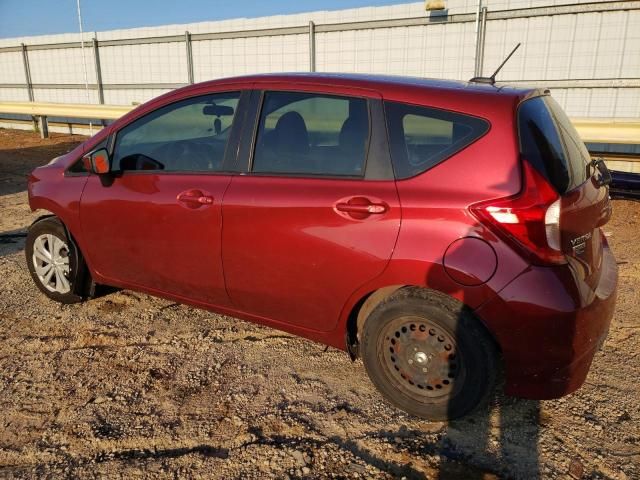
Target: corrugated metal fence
(588, 53)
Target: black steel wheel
(420, 357)
(428, 355)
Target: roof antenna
(492, 79)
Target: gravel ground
(128, 385)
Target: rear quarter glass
(422, 137)
(550, 143)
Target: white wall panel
(130, 96)
(415, 51)
(239, 56)
(64, 95)
(11, 67)
(599, 102)
(150, 63)
(631, 48)
(61, 65)
(627, 102)
(14, 95)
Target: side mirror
(98, 161)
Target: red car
(441, 231)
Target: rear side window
(312, 134)
(551, 144)
(422, 137)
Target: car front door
(155, 222)
(317, 214)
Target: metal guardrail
(602, 130)
(620, 131)
(39, 111)
(70, 110)
(628, 163)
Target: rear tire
(54, 262)
(428, 355)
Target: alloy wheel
(51, 262)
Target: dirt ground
(128, 385)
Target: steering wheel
(187, 155)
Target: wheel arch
(49, 214)
(359, 313)
(367, 304)
(85, 286)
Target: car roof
(379, 82)
(483, 100)
(466, 97)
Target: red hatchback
(437, 230)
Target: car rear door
(317, 214)
(155, 223)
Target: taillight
(531, 218)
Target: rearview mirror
(217, 110)
(99, 161)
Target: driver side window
(186, 136)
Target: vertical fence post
(187, 41)
(27, 72)
(27, 79)
(312, 46)
(44, 126)
(480, 39)
(96, 58)
(477, 32)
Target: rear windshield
(551, 144)
(422, 137)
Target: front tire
(428, 355)
(53, 260)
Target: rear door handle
(194, 198)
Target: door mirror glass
(99, 161)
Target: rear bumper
(549, 325)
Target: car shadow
(15, 166)
(502, 437)
(17, 163)
(12, 242)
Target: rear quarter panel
(435, 203)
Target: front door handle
(368, 209)
(361, 207)
(194, 198)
